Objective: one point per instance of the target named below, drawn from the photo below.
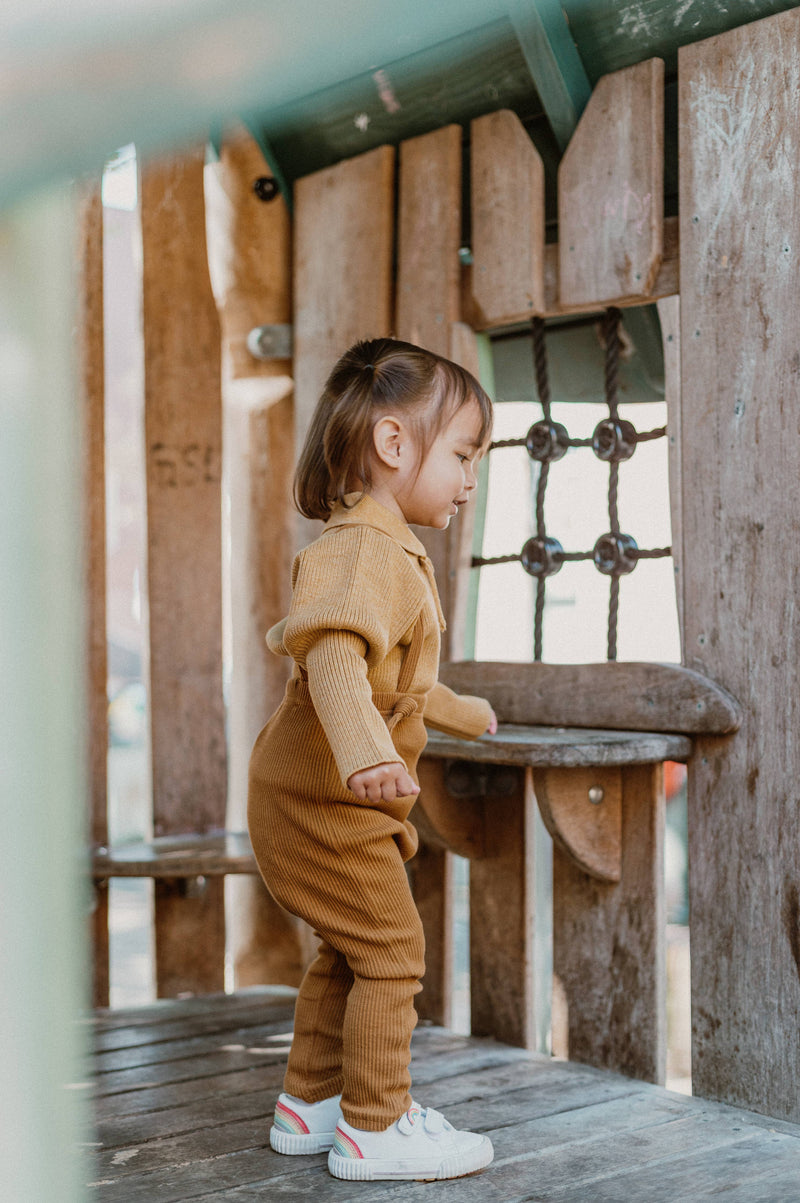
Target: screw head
(266, 187)
(596, 794)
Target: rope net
(615, 554)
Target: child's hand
(492, 728)
(383, 782)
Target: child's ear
(389, 440)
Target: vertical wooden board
(190, 937)
(428, 238)
(739, 109)
(609, 942)
(344, 225)
(503, 921)
(249, 254)
(183, 447)
(431, 873)
(92, 382)
(669, 313)
(611, 189)
(507, 182)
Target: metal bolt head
(596, 794)
(266, 187)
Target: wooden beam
(554, 63)
(582, 810)
(610, 191)
(740, 459)
(631, 697)
(667, 284)
(92, 383)
(183, 429)
(669, 313)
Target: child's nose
(471, 479)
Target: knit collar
(368, 512)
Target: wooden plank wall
(740, 240)
(183, 433)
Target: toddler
(395, 440)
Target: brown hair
(371, 379)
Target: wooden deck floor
(185, 1093)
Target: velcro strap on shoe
(434, 1121)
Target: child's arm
(461, 715)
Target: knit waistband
(392, 706)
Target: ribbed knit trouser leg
(314, 1071)
(340, 868)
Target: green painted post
(43, 903)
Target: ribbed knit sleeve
(355, 594)
(458, 714)
(342, 697)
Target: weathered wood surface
(428, 238)
(669, 313)
(183, 433)
(739, 110)
(195, 1122)
(503, 921)
(506, 278)
(91, 343)
(582, 810)
(178, 856)
(249, 251)
(344, 238)
(667, 284)
(608, 941)
(560, 747)
(635, 697)
(427, 307)
(611, 188)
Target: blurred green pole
(43, 963)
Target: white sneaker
(421, 1145)
(301, 1127)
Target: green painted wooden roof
(319, 79)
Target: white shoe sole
(297, 1144)
(372, 1169)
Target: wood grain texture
(669, 313)
(178, 856)
(344, 237)
(507, 179)
(91, 380)
(610, 190)
(609, 941)
(184, 1102)
(634, 697)
(183, 433)
(667, 283)
(560, 747)
(739, 108)
(428, 238)
(430, 873)
(503, 921)
(582, 810)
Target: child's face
(432, 495)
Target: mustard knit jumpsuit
(364, 633)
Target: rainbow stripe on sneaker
(289, 1121)
(344, 1146)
